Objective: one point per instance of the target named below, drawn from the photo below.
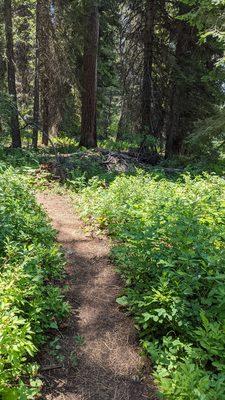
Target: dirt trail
(109, 365)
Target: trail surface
(101, 358)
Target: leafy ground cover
(31, 304)
(169, 247)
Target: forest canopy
(151, 71)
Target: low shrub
(170, 251)
(30, 303)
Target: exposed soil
(109, 365)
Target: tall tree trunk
(15, 129)
(45, 118)
(176, 130)
(89, 90)
(2, 73)
(23, 49)
(150, 14)
(174, 136)
(60, 68)
(45, 66)
(36, 108)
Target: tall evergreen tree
(36, 105)
(89, 82)
(148, 39)
(146, 68)
(15, 129)
(2, 65)
(23, 21)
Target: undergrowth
(170, 251)
(31, 304)
(169, 235)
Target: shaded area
(107, 364)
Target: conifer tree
(15, 129)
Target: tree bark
(176, 129)
(89, 90)
(36, 108)
(150, 14)
(45, 63)
(45, 119)
(2, 74)
(23, 49)
(15, 129)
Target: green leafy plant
(170, 251)
(30, 304)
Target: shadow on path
(109, 366)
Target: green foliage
(5, 114)
(170, 251)
(86, 168)
(208, 138)
(30, 303)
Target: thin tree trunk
(89, 91)
(15, 129)
(23, 48)
(148, 61)
(122, 125)
(45, 118)
(2, 74)
(45, 66)
(36, 108)
(60, 70)
(175, 129)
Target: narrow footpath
(101, 357)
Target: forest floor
(100, 357)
